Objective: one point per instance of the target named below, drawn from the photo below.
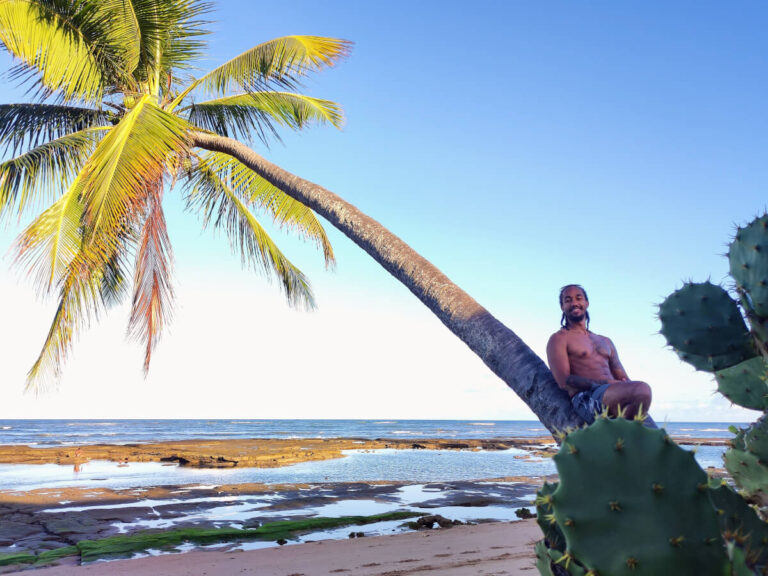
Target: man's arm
(557, 357)
(615, 365)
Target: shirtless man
(587, 366)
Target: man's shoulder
(561, 334)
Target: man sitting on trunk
(587, 365)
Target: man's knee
(641, 394)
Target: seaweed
(125, 545)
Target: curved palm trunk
(500, 348)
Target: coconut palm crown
(115, 101)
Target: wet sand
(501, 548)
(255, 453)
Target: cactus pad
(748, 257)
(552, 562)
(745, 383)
(747, 471)
(631, 502)
(756, 439)
(739, 522)
(703, 320)
(715, 363)
(545, 517)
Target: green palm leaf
(153, 293)
(110, 30)
(171, 37)
(221, 207)
(28, 125)
(126, 162)
(286, 212)
(44, 171)
(242, 115)
(282, 62)
(44, 42)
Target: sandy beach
(80, 505)
(489, 549)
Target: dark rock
(524, 513)
(11, 531)
(428, 522)
(71, 525)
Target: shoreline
(273, 452)
(42, 523)
(498, 548)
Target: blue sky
(519, 147)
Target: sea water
(357, 465)
(45, 433)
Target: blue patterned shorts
(589, 402)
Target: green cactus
(632, 502)
(545, 517)
(739, 523)
(715, 363)
(745, 383)
(748, 258)
(706, 328)
(551, 562)
(702, 321)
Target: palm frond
(118, 31)
(43, 171)
(115, 278)
(286, 212)
(110, 30)
(245, 114)
(221, 207)
(280, 62)
(79, 303)
(171, 36)
(52, 241)
(91, 278)
(127, 161)
(153, 292)
(45, 43)
(28, 125)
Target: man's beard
(575, 316)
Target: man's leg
(630, 396)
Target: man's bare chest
(587, 347)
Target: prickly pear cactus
(703, 321)
(545, 517)
(631, 502)
(706, 327)
(740, 525)
(748, 259)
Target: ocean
(358, 465)
(45, 433)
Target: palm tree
(120, 118)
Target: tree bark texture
(498, 346)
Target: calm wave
(75, 432)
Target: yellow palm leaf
(282, 61)
(43, 42)
(222, 207)
(242, 115)
(44, 171)
(127, 161)
(285, 211)
(53, 240)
